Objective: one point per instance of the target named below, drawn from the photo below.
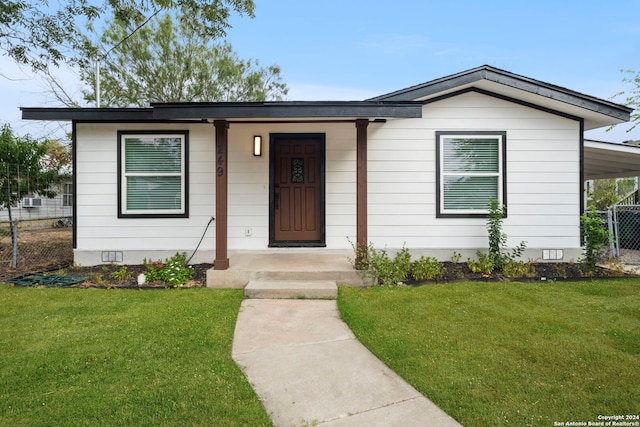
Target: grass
(93, 357)
(509, 353)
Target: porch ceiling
(610, 160)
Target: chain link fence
(624, 225)
(41, 244)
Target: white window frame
(441, 136)
(123, 211)
(67, 195)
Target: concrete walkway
(308, 369)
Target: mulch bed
(101, 276)
(543, 272)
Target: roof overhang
(595, 112)
(347, 110)
(610, 160)
(87, 114)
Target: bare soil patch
(38, 250)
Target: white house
(34, 207)
(415, 167)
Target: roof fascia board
(515, 81)
(88, 114)
(198, 111)
(560, 94)
(287, 110)
(432, 87)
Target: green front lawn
(509, 353)
(95, 357)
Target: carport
(610, 160)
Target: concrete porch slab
(286, 264)
(291, 289)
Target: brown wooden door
(297, 190)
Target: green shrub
(595, 238)
(516, 269)
(498, 239)
(361, 261)
(172, 273)
(484, 264)
(560, 270)
(427, 268)
(401, 265)
(376, 263)
(122, 274)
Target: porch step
(291, 289)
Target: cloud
(20, 87)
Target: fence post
(612, 237)
(14, 243)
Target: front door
(297, 190)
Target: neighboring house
(36, 207)
(415, 167)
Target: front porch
(286, 264)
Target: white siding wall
(249, 182)
(542, 185)
(542, 179)
(98, 226)
(50, 209)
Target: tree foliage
(167, 62)
(632, 97)
(604, 193)
(39, 33)
(28, 167)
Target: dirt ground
(38, 250)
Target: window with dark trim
(153, 174)
(470, 172)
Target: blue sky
(355, 49)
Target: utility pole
(98, 80)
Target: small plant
(560, 270)
(402, 265)
(615, 265)
(595, 238)
(361, 261)
(455, 258)
(427, 268)
(498, 239)
(484, 264)
(173, 272)
(153, 270)
(122, 274)
(381, 266)
(390, 272)
(97, 278)
(376, 264)
(514, 269)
